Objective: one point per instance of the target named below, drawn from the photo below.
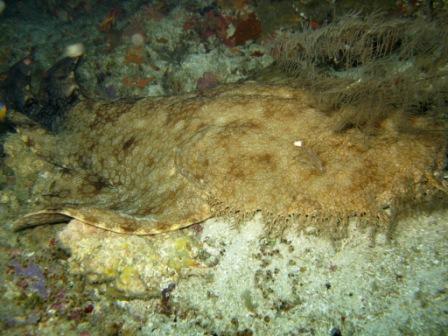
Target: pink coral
(208, 81)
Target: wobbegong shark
(155, 165)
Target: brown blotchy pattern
(167, 163)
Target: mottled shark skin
(160, 164)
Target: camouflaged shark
(154, 165)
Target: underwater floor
(214, 279)
(217, 277)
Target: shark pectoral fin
(42, 217)
(121, 222)
(108, 220)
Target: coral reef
(128, 275)
(355, 105)
(357, 62)
(243, 282)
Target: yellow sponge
(3, 111)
